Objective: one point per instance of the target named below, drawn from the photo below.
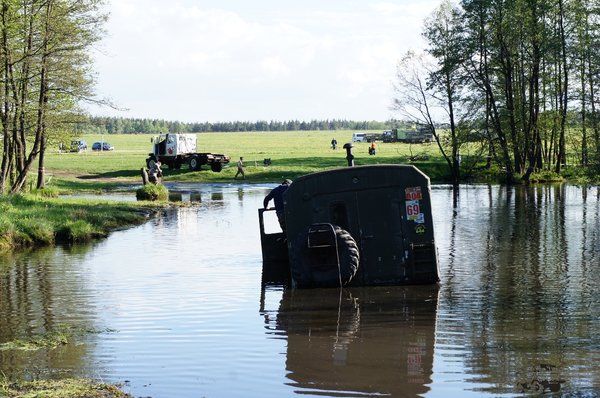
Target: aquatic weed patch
(51, 340)
(62, 335)
(66, 388)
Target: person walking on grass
(240, 168)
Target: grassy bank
(31, 220)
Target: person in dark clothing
(155, 173)
(277, 195)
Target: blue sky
(209, 60)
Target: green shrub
(76, 231)
(39, 231)
(47, 192)
(7, 234)
(545, 176)
(152, 192)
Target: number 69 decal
(413, 209)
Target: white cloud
(182, 60)
(274, 65)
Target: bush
(47, 192)
(76, 231)
(39, 231)
(545, 176)
(152, 192)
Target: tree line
(120, 125)
(44, 77)
(522, 74)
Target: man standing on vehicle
(277, 195)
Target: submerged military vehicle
(355, 226)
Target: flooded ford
(179, 306)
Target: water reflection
(178, 196)
(519, 285)
(172, 306)
(357, 342)
(32, 307)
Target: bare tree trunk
(584, 144)
(561, 154)
(6, 144)
(533, 141)
(41, 177)
(40, 131)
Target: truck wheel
(311, 268)
(216, 167)
(193, 163)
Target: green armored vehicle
(355, 226)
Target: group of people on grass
(372, 147)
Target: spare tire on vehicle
(331, 262)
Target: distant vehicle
(102, 146)
(359, 137)
(416, 135)
(175, 150)
(374, 137)
(78, 146)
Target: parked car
(102, 146)
(359, 137)
(78, 146)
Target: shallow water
(175, 308)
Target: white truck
(176, 150)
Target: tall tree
(443, 32)
(46, 70)
(414, 100)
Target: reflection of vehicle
(356, 226)
(102, 146)
(359, 342)
(175, 150)
(78, 146)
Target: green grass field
(291, 153)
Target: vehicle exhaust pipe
(349, 156)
